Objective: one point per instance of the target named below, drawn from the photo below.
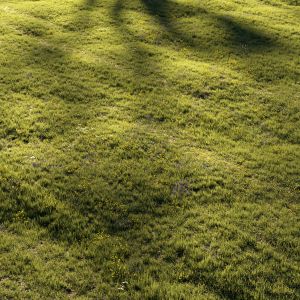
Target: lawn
(149, 149)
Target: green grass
(149, 149)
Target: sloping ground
(149, 149)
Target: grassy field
(149, 149)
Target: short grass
(149, 149)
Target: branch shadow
(63, 77)
(142, 64)
(132, 192)
(53, 57)
(252, 45)
(164, 12)
(82, 20)
(167, 13)
(242, 35)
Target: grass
(149, 149)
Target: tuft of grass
(149, 149)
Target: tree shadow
(248, 43)
(135, 193)
(82, 20)
(242, 35)
(140, 58)
(77, 83)
(167, 13)
(53, 56)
